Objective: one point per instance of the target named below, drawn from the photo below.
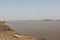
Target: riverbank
(6, 33)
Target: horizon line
(27, 19)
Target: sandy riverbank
(7, 33)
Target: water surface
(49, 30)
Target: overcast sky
(29, 9)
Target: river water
(49, 30)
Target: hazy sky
(29, 9)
